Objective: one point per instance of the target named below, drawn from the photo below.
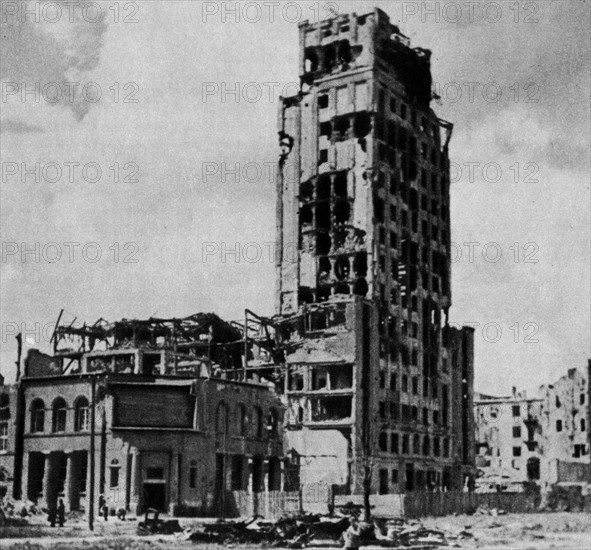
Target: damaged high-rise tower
(376, 381)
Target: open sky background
(539, 49)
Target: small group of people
(57, 514)
(104, 509)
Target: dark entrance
(155, 496)
(533, 468)
(220, 483)
(36, 471)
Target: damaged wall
(214, 436)
(544, 439)
(369, 211)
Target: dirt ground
(560, 531)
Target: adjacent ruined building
(378, 386)
(508, 440)
(543, 439)
(564, 420)
(147, 413)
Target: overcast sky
(154, 131)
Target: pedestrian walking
(51, 513)
(61, 513)
(103, 508)
(351, 535)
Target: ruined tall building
(376, 380)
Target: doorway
(155, 495)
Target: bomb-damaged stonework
(377, 373)
(144, 413)
(542, 439)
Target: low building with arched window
(175, 443)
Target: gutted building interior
(149, 413)
(370, 216)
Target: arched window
(221, 418)
(259, 421)
(242, 420)
(37, 416)
(81, 414)
(273, 423)
(60, 411)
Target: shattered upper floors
(363, 194)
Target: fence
(314, 498)
(271, 505)
(381, 505)
(442, 504)
(275, 504)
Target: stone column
(50, 479)
(281, 474)
(87, 484)
(266, 475)
(136, 483)
(173, 477)
(228, 464)
(70, 482)
(25, 477)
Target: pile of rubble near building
(321, 531)
(14, 512)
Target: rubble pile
(400, 532)
(318, 531)
(285, 532)
(152, 525)
(486, 511)
(14, 512)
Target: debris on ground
(152, 525)
(14, 512)
(486, 511)
(316, 531)
(285, 532)
(400, 532)
(494, 525)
